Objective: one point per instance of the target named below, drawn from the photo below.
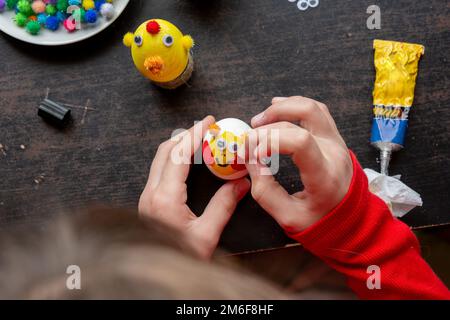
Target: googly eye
(168, 40)
(138, 40)
(233, 147)
(303, 5)
(313, 3)
(221, 144)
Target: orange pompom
(38, 6)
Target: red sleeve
(361, 232)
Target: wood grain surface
(246, 53)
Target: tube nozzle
(385, 158)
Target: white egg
(220, 149)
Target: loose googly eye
(303, 5)
(138, 40)
(221, 144)
(233, 147)
(313, 3)
(168, 40)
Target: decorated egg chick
(161, 53)
(220, 148)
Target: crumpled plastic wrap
(398, 196)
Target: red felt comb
(153, 27)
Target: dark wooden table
(246, 53)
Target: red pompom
(153, 27)
(207, 153)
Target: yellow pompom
(88, 4)
(188, 42)
(128, 39)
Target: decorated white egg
(220, 148)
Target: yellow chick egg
(161, 52)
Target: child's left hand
(165, 195)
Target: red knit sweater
(361, 232)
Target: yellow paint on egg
(160, 51)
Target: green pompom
(11, 4)
(21, 19)
(62, 5)
(51, 10)
(24, 6)
(33, 27)
(81, 13)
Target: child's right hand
(307, 133)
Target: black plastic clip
(54, 112)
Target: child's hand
(165, 195)
(308, 134)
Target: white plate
(61, 36)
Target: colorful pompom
(75, 3)
(62, 5)
(128, 39)
(33, 27)
(91, 16)
(188, 42)
(98, 4)
(61, 16)
(88, 4)
(38, 6)
(70, 25)
(153, 27)
(42, 18)
(52, 23)
(51, 10)
(80, 15)
(32, 14)
(20, 19)
(23, 6)
(11, 4)
(107, 10)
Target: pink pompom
(70, 25)
(38, 6)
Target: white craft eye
(221, 144)
(313, 3)
(303, 5)
(138, 40)
(168, 40)
(233, 147)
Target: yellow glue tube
(397, 65)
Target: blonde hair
(119, 258)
